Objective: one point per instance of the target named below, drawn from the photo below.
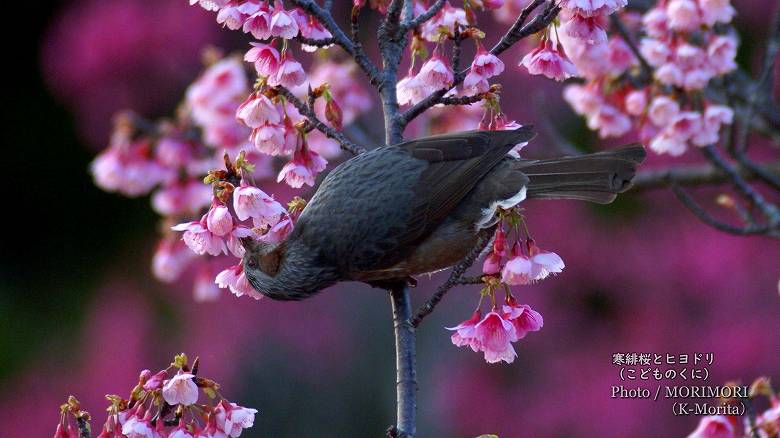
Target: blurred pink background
(642, 276)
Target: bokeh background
(80, 313)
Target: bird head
(286, 271)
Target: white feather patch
(489, 218)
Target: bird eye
(251, 262)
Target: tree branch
(308, 112)
(455, 275)
(695, 175)
(405, 363)
(422, 18)
(517, 32)
(325, 18)
(708, 219)
(770, 211)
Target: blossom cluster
(164, 405)
(765, 424)
(509, 321)
(170, 158)
(684, 45)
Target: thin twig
(770, 211)
(708, 219)
(309, 113)
(646, 70)
(695, 175)
(455, 275)
(325, 18)
(517, 32)
(425, 16)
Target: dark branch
(308, 112)
(406, 368)
(517, 32)
(325, 18)
(708, 219)
(695, 175)
(646, 69)
(325, 42)
(455, 276)
(422, 18)
(770, 211)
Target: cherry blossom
(714, 426)
(465, 332)
(550, 61)
(302, 169)
(495, 335)
(199, 239)
(232, 419)
(180, 389)
(265, 58)
(234, 279)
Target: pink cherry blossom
(716, 11)
(714, 117)
(181, 389)
(547, 60)
(670, 74)
(180, 432)
(282, 24)
(466, 333)
(667, 143)
(259, 24)
(609, 121)
(290, 73)
(654, 51)
(522, 317)
(302, 169)
(232, 419)
(590, 29)
(446, 19)
(683, 15)
(258, 110)
(278, 231)
(233, 242)
(218, 219)
(583, 99)
(494, 335)
(265, 57)
(136, 427)
(181, 197)
(231, 17)
(436, 72)
(656, 23)
(411, 90)
(353, 97)
(721, 52)
(235, 279)
(155, 382)
(636, 102)
(199, 239)
(170, 259)
(210, 5)
(484, 66)
(589, 8)
(309, 28)
(544, 262)
(269, 139)
(663, 110)
(518, 269)
(203, 289)
(249, 201)
(714, 426)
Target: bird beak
(249, 244)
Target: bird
(394, 212)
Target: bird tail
(595, 177)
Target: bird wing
(456, 163)
(373, 210)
